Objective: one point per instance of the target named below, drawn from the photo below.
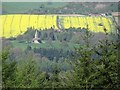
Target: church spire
(36, 34)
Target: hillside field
(17, 24)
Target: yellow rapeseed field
(17, 24)
(94, 24)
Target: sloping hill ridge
(58, 7)
(17, 24)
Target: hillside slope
(58, 7)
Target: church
(36, 39)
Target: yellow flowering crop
(94, 24)
(14, 25)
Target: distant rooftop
(116, 14)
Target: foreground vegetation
(89, 68)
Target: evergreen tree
(28, 74)
(8, 70)
(95, 67)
